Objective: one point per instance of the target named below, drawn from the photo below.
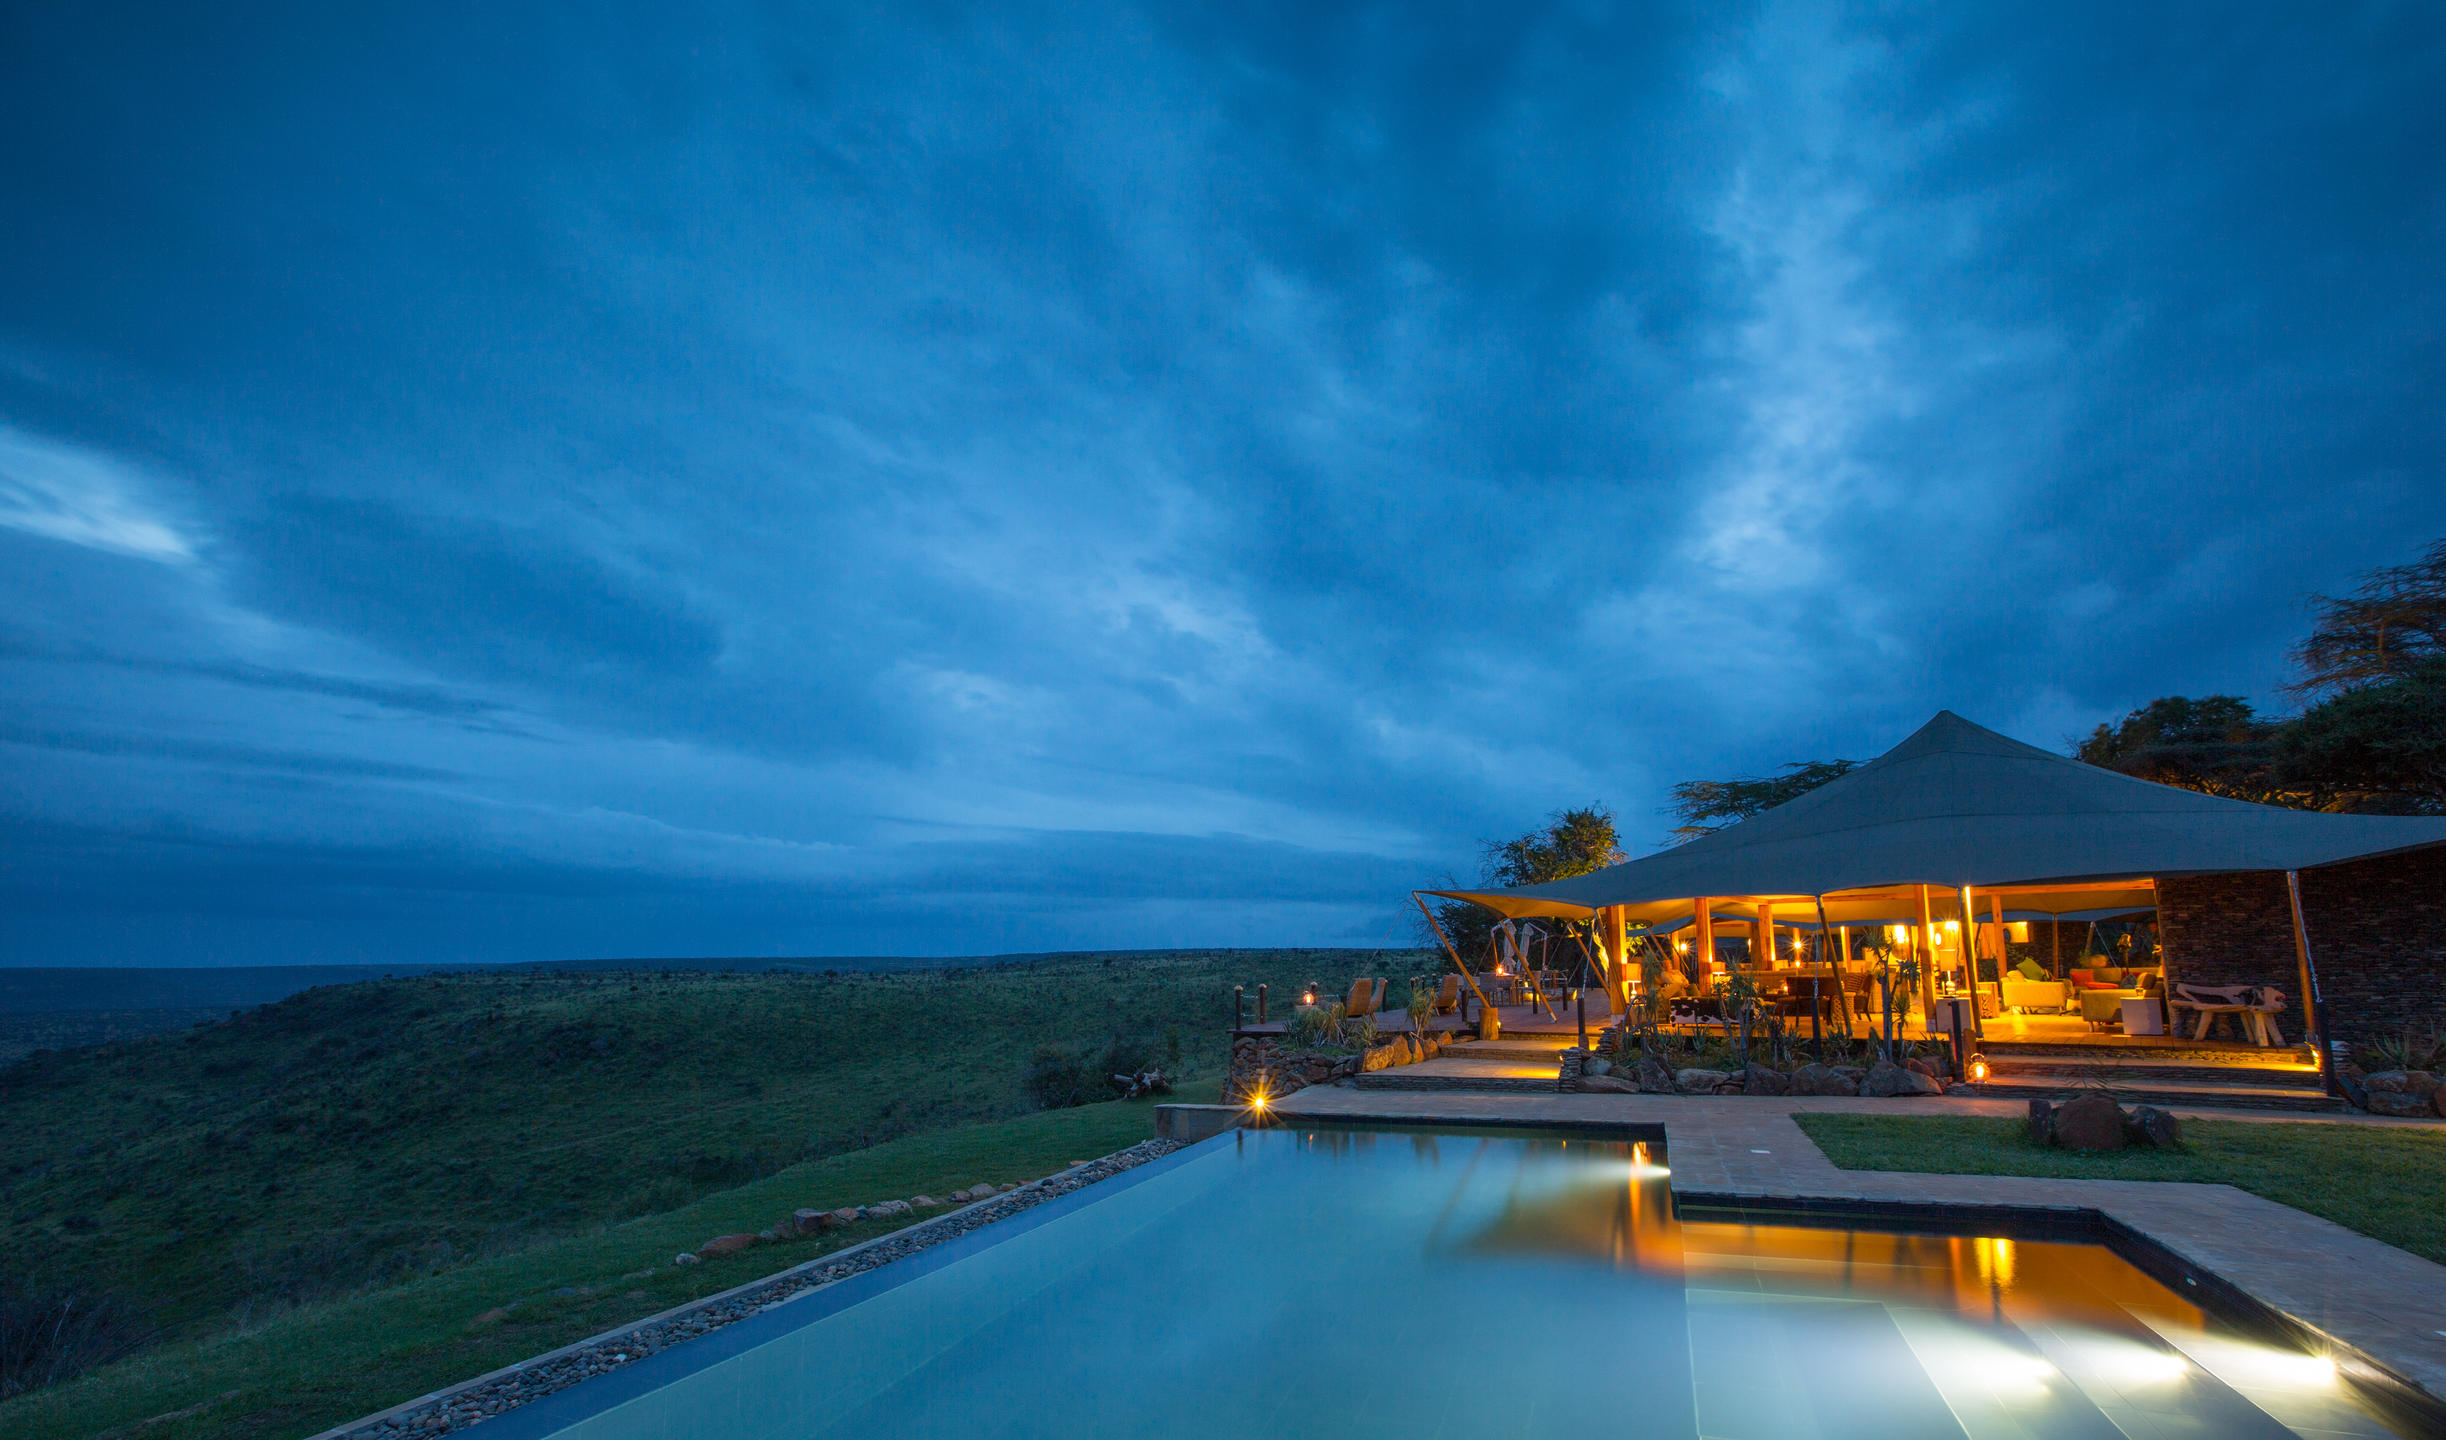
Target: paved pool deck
(2384, 1302)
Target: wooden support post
(1703, 945)
(2314, 1010)
(1617, 961)
(1970, 962)
(1763, 957)
(1927, 961)
(1466, 978)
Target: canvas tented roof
(1957, 805)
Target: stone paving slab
(2385, 1302)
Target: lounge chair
(1448, 996)
(1366, 996)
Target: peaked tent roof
(1960, 805)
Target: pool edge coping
(1057, 1205)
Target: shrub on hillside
(50, 1334)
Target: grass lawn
(320, 1364)
(2385, 1181)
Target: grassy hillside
(358, 1136)
(321, 1364)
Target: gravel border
(475, 1401)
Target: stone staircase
(2239, 1080)
(1511, 1066)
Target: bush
(1058, 1079)
(52, 1334)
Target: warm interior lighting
(1952, 926)
(1899, 933)
(2018, 931)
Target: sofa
(2103, 989)
(2021, 994)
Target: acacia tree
(1572, 842)
(2374, 746)
(1706, 806)
(2213, 744)
(2381, 632)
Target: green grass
(2386, 1182)
(318, 1365)
(351, 1149)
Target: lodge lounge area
(1967, 879)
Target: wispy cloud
(83, 497)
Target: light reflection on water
(1348, 1282)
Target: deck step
(1400, 1079)
(2166, 1094)
(2067, 1071)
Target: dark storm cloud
(530, 481)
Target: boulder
(1822, 1080)
(1604, 1085)
(1761, 1080)
(2042, 1123)
(925, 1202)
(848, 1215)
(1853, 1073)
(1596, 1065)
(807, 1222)
(978, 1192)
(2090, 1122)
(725, 1245)
(1921, 1067)
(1886, 1079)
(1699, 1081)
(768, 1236)
(2401, 1104)
(1383, 1057)
(2152, 1126)
(684, 1258)
(1655, 1079)
(888, 1207)
(2419, 1083)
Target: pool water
(1332, 1282)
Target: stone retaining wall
(1255, 1057)
(2377, 930)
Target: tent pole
(1618, 970)
(1927, 961)
(2312, 1007)
(1419, 898)
(1843, 996)
(1705, 945)
(1970, 962)
(1824, 956)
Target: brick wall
(2377, 930)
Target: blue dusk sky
(520, 481)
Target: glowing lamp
(1952, 926)
(1978, 1069)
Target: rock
(1383, 1057)
(683, 1258)
(1596, 1065)
(2042, 1123)
(888, 1207)
(2404, 1105)
(1822, 1080)
(725, 1245)
(1853, 1073)
(806, 1222)
(977, 1192)
(1604, 1085)
(848, 1215)
(2152, 1126)
(2420, 1084)
(1887, 1079)
(768, 1236)
(1655, 1079)
(2090, 1122)
(1697, 1080)
(1761, 1080)
(1921, 1067)
(926, 1202)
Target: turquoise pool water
(1297, 1283)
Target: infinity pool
(1340, 1283)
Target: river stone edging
(508, 1388)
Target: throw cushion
(2029, 970)
(2079, 977)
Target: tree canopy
(1572, 842)
(1706, 806)
(2373, 740)
(2380, 632)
